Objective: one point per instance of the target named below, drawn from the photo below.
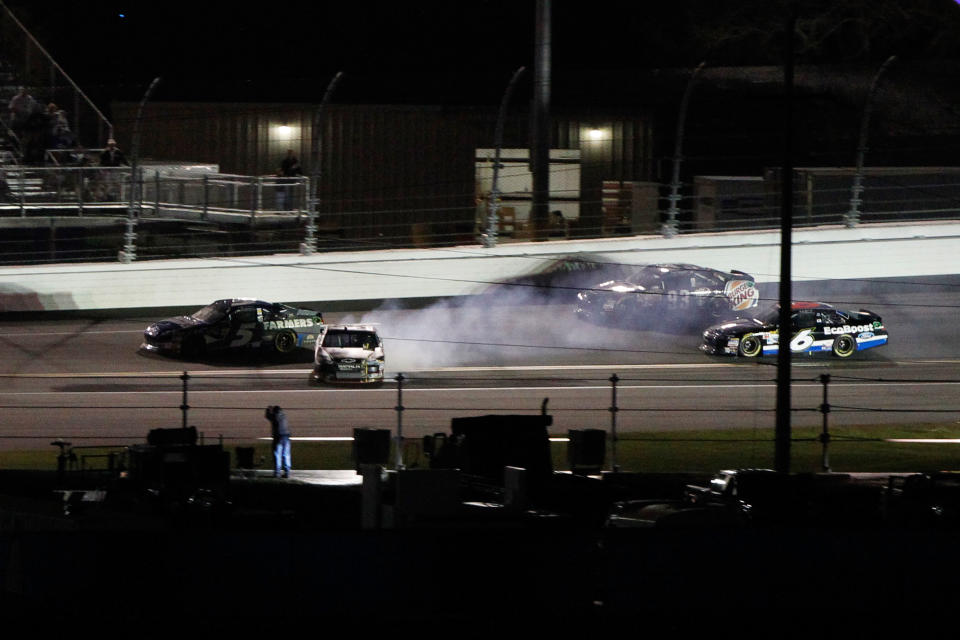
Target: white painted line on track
(584, 367)
(32, 334)
(246, 372)
(350, 438)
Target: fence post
(825, 434)
(399, 409)
(184, 407)
(256, 202)
(206, 196)
(613, 423)
(670, 227)
(81, 179)
(852, 217)
(490, 239)
(156, 189)
(23, 189)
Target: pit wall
(867, 251)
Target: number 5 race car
(350, 354)
(238, 323)
(816, 327)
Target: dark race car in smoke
(668, 296)
(349, 354)
(817, 327)
(236, 323)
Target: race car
(817, 327)
(669, 294)
(236, 323)
(350, 353)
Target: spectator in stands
(59, 135)
(21, 108)
(111, 156)
(289, 168)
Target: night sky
(446, 52)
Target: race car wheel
(844, 346)
(285, 342)
(750, 346)
(192, 347)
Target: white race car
(351, 353)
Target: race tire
(844, 346)
(750, 346)
(285, 341)
(192, 347)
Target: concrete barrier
(867, 251)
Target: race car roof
(810, 305)
(351, 327)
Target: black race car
(817, 327)
(669, 295)
(236, 323)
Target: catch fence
(906, 436)
(75, 210)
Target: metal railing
(47, 81)
(76, 189)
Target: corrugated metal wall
(390, 173)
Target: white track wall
(867, 251)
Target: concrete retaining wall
(868, 251)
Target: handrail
(73, 84)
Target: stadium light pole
(493, 204)
(853, 214)
(129, 252)
(309, 245)
(670, 226)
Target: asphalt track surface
(85, 379)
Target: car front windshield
(347, 339)
(212, 313)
